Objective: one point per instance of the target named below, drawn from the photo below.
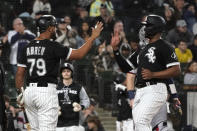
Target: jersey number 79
(38, 65)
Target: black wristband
(131, 94)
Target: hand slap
(97, 29)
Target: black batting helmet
(44, 22)
(66, 66)
(153, 24)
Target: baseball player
(159, 122)
(157, 62)
(124, 120)
(72, 99)
(130, 64)
(40, 61)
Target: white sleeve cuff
(172, 64)
(21, 65)
(69, 53)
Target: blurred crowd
(76, 18)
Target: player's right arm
(125, 65)
(21, 70)
(20, 75)
(130, 87)
(82, 51)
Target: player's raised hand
(115, 40)
(146, 74)
(97, 30)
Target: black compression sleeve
(123, 64)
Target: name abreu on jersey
(35, 50)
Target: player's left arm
(172, 65)
(168, 73)
(84, 99)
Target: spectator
(84, 32)
(183, 53)
(41, 5)
(119, 27)
(169, 17)
(11, 114)
(190, 16)
(65, 33)
(193, 48)
(3, 118)
(67, 20)
(18, 38)
(4, 52)
(94, 124)
(108, 22)
(95, 7)
(179, 32)
(81, 15)
(179, 8)
(190, 77)
(104, 60)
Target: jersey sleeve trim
(132, 66)
(172, 64)
(133, 71)
(21, 65)
(69, 53)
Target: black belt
(144, 84)
(39, 84)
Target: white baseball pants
(147, 103)
(71, 128)
(126, 125)
(41, 106)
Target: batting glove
(59, 112)
(20, 98)
(120, 87)
(76, 107)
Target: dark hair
(94, 119)
(80, 30)
(6, 98)
(181, 40)
(188, 66)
